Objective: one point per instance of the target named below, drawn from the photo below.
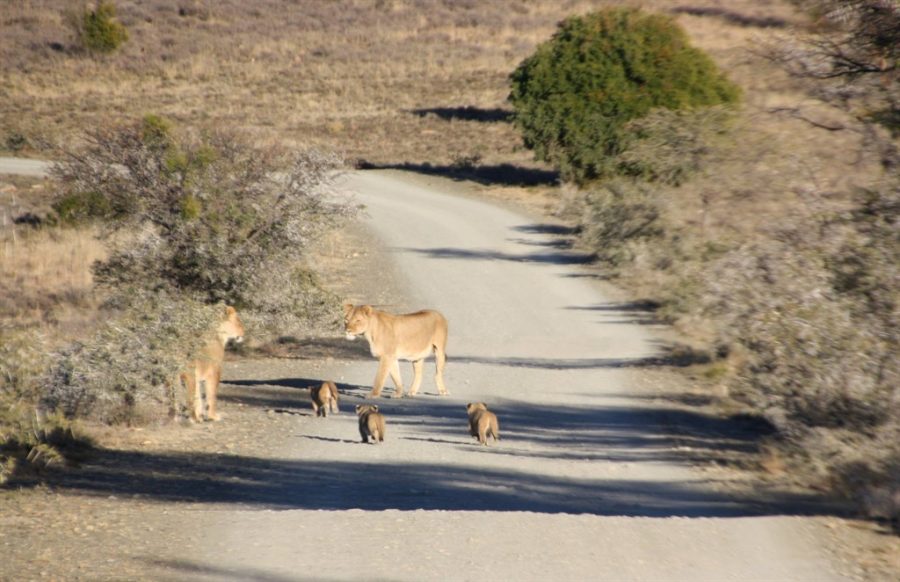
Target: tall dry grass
(46, 280)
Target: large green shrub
(98, 30)
(576, 92)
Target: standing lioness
(202, 376)
(413, 336)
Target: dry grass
(45, 279)
(382, 80)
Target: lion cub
(371, 422)
(482, 422)
(324, 397)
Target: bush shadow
(562, 257)
(282, 394)
(733, 17)
(466, 113)
(486, 175)
(561, 433)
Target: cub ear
(367, 309)
(374, 408)
(229, 310)
(348, 307)
(358, 407)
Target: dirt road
(584, 484)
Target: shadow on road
(186, 570)
(558, 434)
(549, 257)
(338, 485)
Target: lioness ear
(358, 406)
(348, 307)
(367, 309)
(374, 408)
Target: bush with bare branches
(852, 52)
(813, 313)
(208, 215)
(127, 371)
(29, 440)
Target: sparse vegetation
(574, 96)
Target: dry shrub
(211, 216)
(30, 441)
(670, 147)
(814, 307)
(127, 371)
(617, 218)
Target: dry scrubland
(423, 85)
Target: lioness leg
(212, 390)
(189, 380)
(384, 365)
(332, 388)
(417, 376)
(398, 382)
(440, 358)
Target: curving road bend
(584, 485)
(581, 486)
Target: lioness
(482, 422)
(324, 397)
(371, 423)
(413, 336)
(203, 374)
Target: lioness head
(473, 407)
(231, 327)
(356, 319)
(365, 408)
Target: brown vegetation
(423, 85)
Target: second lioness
(412, 336)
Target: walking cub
(324, 397)
(371, 422)
(482, 422)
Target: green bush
(98, 31)
(575, 94)
(80, 207)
